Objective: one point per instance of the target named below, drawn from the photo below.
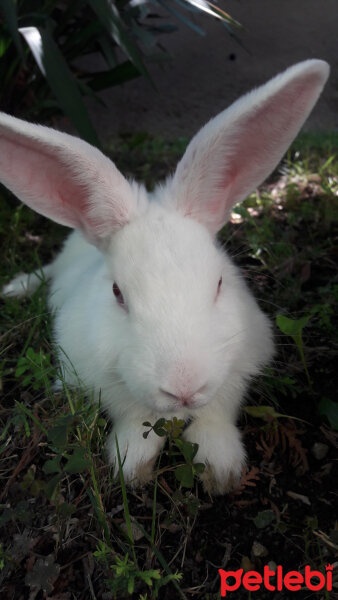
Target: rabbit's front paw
(221, 450)
(137, 454)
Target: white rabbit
(150, 311)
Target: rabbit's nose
(186, 398)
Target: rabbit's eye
(219, 287)
(118, 295)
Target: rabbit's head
(183, 316)
(171, 282)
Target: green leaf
(21, 369)
(27, 381)
(294, 328)
(31, 354)
(190, 450)
(184, 474)
(179, 444)
(110, 19)
(52, 466)
(8, 10)
(264, 518)
(262, 412)
(329, 409)
(174, 427)
(58, 435)
(160, 431)
(199, 468)
(62, 82)
(131, 584)
(291, 327)
(159, 427)
(78, 462)
(147, 576)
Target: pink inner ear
(64, 179)
(265, 135)
(238, 149)
(42, 181)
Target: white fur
(180, 349)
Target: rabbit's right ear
(233, 153)
(64, 178)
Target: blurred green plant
(36, 368)
(294, 328)
(172, 429)
(329, 408)
(126, 575)
(43, 43)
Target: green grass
(59, 498)
(316, 145)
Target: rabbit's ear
(238, 149)
(64, 178)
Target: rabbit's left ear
(233, 153)
(64, 178)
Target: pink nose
(186, 399)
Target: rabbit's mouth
(184, 402)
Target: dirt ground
(208, 73)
